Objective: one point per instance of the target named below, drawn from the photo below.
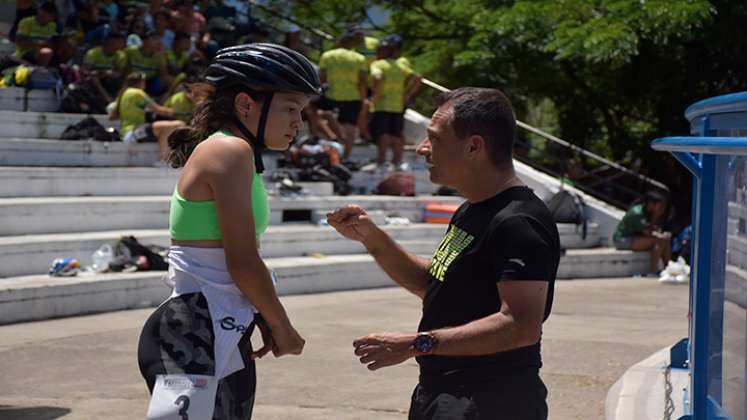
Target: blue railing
(717, 158)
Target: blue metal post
(702, 288)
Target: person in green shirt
(182, 102)
(150, 60)
(344, 72)
(393, 86)
(34, 33)
(105, 66)
(177, 57)
(130, 108)
(642, 228)
(365, 45)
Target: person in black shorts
(488, 287)
(343, 71)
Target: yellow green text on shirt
(343, 67)
(132, 105)
(181, 104)
(96, 59)
(148, 64)
(392, 85)
(31, 30)
(453, 243)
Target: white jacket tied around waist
(204, 270)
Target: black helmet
(393, 40)
(265, 68)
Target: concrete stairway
(65, 199)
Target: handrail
(564, 143)
(315, 31)
(537, 131)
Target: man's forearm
(492, 334)
(406, 269)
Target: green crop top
(197, 220)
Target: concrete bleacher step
(602, 263)
(20, 99)
(39, 215)
(39, 297)
(21, 182)
(43, 125)
(33, 254)
(55, 182)
(35, 152)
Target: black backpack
(567, 207)
(128, 251)
(82, 99)
(89, 128)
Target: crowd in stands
(140, 58)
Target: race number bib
(183, 397)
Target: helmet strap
(258, 142)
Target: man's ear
(475, 145)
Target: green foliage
(619, 73)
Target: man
(177, 57)
(393, 86)
(369, 47)
(150, 60)
(105, 66)
(395, 45)
(365, 45)
(34, 34)
(642, 228)
(344, 72)
(488, 287)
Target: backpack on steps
(89, 128)
(567, 207)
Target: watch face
(424, 343)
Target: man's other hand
(384, 349)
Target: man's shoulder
(522, 207)
(26, 23)
(636, 211)
(380, 64)
(93, 54)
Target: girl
(195, 350)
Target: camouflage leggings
(178, 338)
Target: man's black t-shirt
(509, 237)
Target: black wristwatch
(425, 343)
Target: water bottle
(102, 257)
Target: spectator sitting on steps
(642, 228)
(131, 105)
(105, 66)
(150, 59)
(34, 33)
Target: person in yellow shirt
(130, 108)
(395, 44)
(177, 57)
(344, 72)
(368, 46)
(365, 45)
(182, 102)
(393, 86)
(105, 66)
(34, 33)
(150, 59)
